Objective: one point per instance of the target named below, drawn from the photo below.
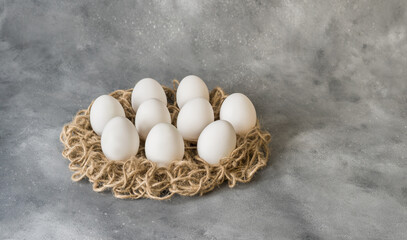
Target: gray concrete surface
(328, 79)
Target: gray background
(328, 79)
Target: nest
(138, 177)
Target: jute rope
(138, 177)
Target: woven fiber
(138, 177)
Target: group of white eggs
(164, 142)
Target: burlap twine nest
(138, 177)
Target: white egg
(150, 113)
(216, 141)
(103, 109)
(164, 144)
(145, 89)
(120, 139)
(239, 111)
(189, 88)
(194, 116)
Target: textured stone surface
(328, 79)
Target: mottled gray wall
(328, 79)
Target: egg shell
(120, 139)
(189, 88)
(217, 140)
(164, 144)
(145, 89)
(239, 111)
(103, 109)
(193, 117)
(150, 113)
